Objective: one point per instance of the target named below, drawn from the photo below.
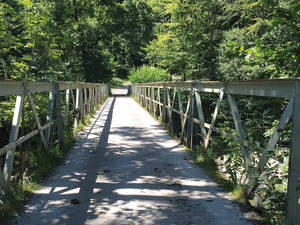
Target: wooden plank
(200, 114)
(16, 87)
(164, 104)
(154, 103)
(239, 130)
(285, 117)
(37, 120)
(85, 109)
(214, 118)
(60, 130)
(14, 131)
(160, 104)
(190, 127)
(67, 106)
(293, 198)
(269, 88)
(170, 121)
(21, 140)
(180, 109)
(81, 104)
(185, 119)
(4, 184)
(90, 101)
(48, 134)
(152, 100)
(76, 108)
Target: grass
(205, 160)
(42, 165)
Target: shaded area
(125, 169)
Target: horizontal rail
(17, 87)
(22, 139)
(267, 88)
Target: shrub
(116, 82)
(146, 74)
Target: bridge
(126, 169)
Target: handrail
(157, 99)
(87, 95)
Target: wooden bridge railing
(156, 98)
(83, 96)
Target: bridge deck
(125, 169)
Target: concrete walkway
(125, 169)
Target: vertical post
(67, 106)
(170, 122)
(101, 99)
(164, 104)
(158, 99)
(190, 125)
(92, 100)
(94, 96)
(85, 108)
(293, 208)
(180, 108)
(81, 104)
(60, 129)
(145, 96)
(76, 108)
(154, 103)
(152, 100)
(49, 115)
(200, 115)
(89, 100)
(13, 136)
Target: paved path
(125, 169)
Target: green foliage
(146, 74)
(72, 40)
(116, 82)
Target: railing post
(81, 104)
(76, 108)
(67, 106)
(164, 104)
(92, 99)
(85, 108)
(293, 208)
(190, 125)
(94, 96)
(60, 129)
(48, 133)
(14, 131)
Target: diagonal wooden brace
(213, 120)
(36, 117)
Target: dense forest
(97, 40)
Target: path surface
(125, 169)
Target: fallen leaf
(99, 212)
